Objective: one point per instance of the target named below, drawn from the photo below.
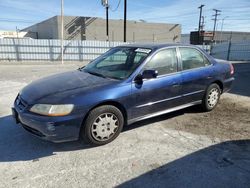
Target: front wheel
(102, 125)
(211, 97)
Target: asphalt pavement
(187, 148)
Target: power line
(16, 20)
(28, 10)
(118, 5)
(233, 7)
(243, 19)
(174, 16)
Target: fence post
(51, 54)
(80, 50)
(229, 46)
(229, 50)
(16, 46)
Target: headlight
(52, 110)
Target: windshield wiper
(101, 75)
(81, 68)
(96, 74)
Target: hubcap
(213, 97)
(104, 126)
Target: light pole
(125, 21)
(105, 3)
(62, 28)
(222, 24)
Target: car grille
(20, 103)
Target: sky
(21, 14)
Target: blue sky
(185, 12)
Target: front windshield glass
(117, 63)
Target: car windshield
(117, 63)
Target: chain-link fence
(77, 50)
(234, 51)
(50, 50)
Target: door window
(192, 58)
(164, 62)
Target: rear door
(159, 93)
(196, 73)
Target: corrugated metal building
(92, 28)
(224, 36)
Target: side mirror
(138, 79)
(149, 74)
(146, 74)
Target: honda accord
(124, 85)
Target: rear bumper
(227, 84)
(54, 129)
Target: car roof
(156, 46)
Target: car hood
(62, 83)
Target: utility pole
(200, 7)
(215, 21)
(125, 21)
(202, 23)
(105, 3)
(62, 28)
(222, 24)
(199, 28)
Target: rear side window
(192, 58)
(164, 62)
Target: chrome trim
(151, 103)
(192, 93)
(164, 111)
(168, 99)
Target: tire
(102, 125)
(211, 98)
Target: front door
(161, 93)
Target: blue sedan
(124, 85)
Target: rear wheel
(102, 125)
(211, 97)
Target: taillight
(231, 69)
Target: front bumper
(55, 129)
